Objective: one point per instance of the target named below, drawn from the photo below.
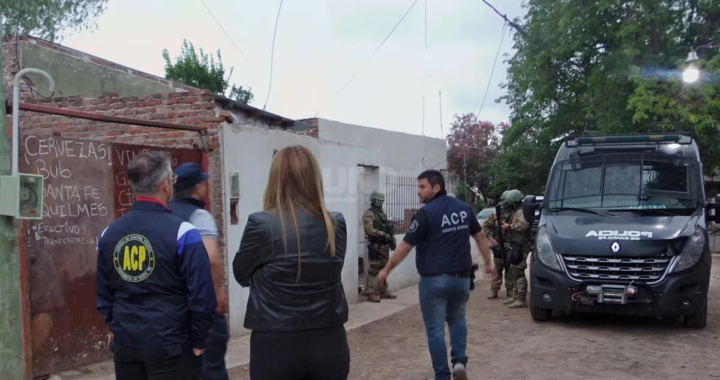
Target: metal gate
(85, 189)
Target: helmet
(504, 194)
(377, 196)
(514, 196)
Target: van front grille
(646, 269)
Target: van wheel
(540, 314)
(697, 321)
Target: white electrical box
(21, 196)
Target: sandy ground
(508, 344)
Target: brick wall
(11, 60)
(193, 108)
(312, 129)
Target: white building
(355, 161)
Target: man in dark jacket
(155, 288)
(189, 205)
(440, 232)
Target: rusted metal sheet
(123, 153)
(66, 330)
(85, 189)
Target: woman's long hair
(296, 183)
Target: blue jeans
(215, 349)
(443, 299)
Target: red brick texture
(193, 108)
(312, 131)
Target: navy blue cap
(188, 175)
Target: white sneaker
(459, 372)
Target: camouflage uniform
(519, 233)
(379, 239)
(489, 228)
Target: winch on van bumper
(676, 295)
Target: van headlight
(544, 250)
(692, 252)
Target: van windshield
(626, 181)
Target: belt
(467, 274)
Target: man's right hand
(223, 303)
(197, 352)
(493, 242)
(490, 271)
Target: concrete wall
(406, 154)
(248, 151)
(78, 73)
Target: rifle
(390, 230)
(498, 227)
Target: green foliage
(203, 72)
(463, 193)
(48, 19)
(606, 66)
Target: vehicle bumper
(677, 295)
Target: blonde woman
(291, 256)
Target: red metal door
(84, 191)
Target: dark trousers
(319, 354)
(141, 364)
(215, 349)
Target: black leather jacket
(280, 300)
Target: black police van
(622, 229)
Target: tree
(471, 144)
(203, 72)
(48, 19)
(611, 66)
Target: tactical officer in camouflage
(490, 228)
(517, 247)
(380, 237)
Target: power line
(442, 134)
(378, 48)
(423, 117)
(497, 55)
(426, 45)
(226, 34)
(272, 54)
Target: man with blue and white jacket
(155, 288)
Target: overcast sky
(320, 44)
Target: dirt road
(507, 344)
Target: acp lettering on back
(454, 221)
(134, 258)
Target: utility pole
(467, 188)
(12, 348)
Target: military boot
(509, 301)
(508, 293)
(519, 303)
(373, 298)
(493, 295)
(386, 295)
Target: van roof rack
(639, 138)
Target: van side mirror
(530, 205)
(712, 210)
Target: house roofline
(252, 112)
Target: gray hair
(148, 171)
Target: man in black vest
(189, 205)
(440, 233)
